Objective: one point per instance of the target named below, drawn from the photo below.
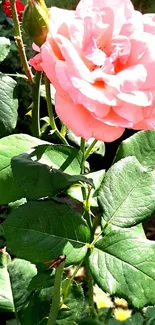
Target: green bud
(35, 21)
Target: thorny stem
(36, 105)
(89, 149)
(87, 216)
(90, 289)
(86, 194)
(19, 42)
(86, 153)
(50, 111)
(82, 148)
(56, 295)
(83, 189)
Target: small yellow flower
(120, 302)
(101, 298)
(122, 314)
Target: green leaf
(8, 104)
(21, 272)
(65, 158)
(37, 177)
(37, 308)
(67, 4)
(89, 321)
(73, 138)
(99, 147)
(43, 279)
(126, 196)
(123, 263)
(141, 145)
(11, 146)
(46, 230)
(2, 238)
(137, 319)
(4, 47)
(31, 306)
(16, 204)
(74, 304)
(12, 322)
(150, 322)
(76, 193)
(150, 312)
(138, 229)
(113, 321)
(6, 299)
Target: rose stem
(82, 149)
(87, 216)
(36, 104)
(56, 295)
(89, 149)
(90, 288)
(19, 42)
(50, 111)
(86, 205)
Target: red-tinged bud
(36, 21)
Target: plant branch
(56, 295)
(50, 111)
(90, 289)
(19, 42)
(82, 148)
(89, 149)
(86, 202)
(36, 105)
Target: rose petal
(35, 47)
(82, 92)
(114, 119)
(129, 80)
(149, 23)
(72, 58)
(130, 112)
(36, 61)
(123, 9)
(139, 98)
(132, 25)
(86, 126)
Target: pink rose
(101, 60)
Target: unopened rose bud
(36, 21)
